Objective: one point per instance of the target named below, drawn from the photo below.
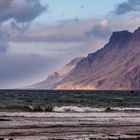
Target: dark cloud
(5, 4)
(21, 13)
(20, 10)
(128, 6)
(20, 28)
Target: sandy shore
(70, 126)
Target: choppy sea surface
(69, 115)
(68, 101)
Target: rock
(31, 108)
(49, 109)
(119, 38)
(108, 109)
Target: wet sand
(70, 126)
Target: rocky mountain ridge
(114, 67)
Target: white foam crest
(77, 109)
(126, 109)
(89, 109)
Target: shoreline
(70, 126)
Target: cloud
(67, 32)
(20, 11)
(70, 31)
(73, 32)
(127, 7)
(101, 30)
(5, 4)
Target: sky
(37, 37)
(63, 10)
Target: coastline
(70, 125)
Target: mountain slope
(57, 76)
(114, 67)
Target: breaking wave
(89, 109)
(77, 109)
(65, 109)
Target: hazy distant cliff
(114, 67)
(57, 76)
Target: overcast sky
(37, 37)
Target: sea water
(69, 101)
(69, 115)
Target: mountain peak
(114, 67)
(137, 33)
(119, 37)
(138, 29)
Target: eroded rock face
(119, 38)
(114, 67)
(135, 78)
(136, 34)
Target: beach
(70, 125)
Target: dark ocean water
(23, 100)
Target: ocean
(69, 115)
(22, 99)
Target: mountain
(114, 67)
(57, 76)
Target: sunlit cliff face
(77, 87)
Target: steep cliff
(114, 67)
